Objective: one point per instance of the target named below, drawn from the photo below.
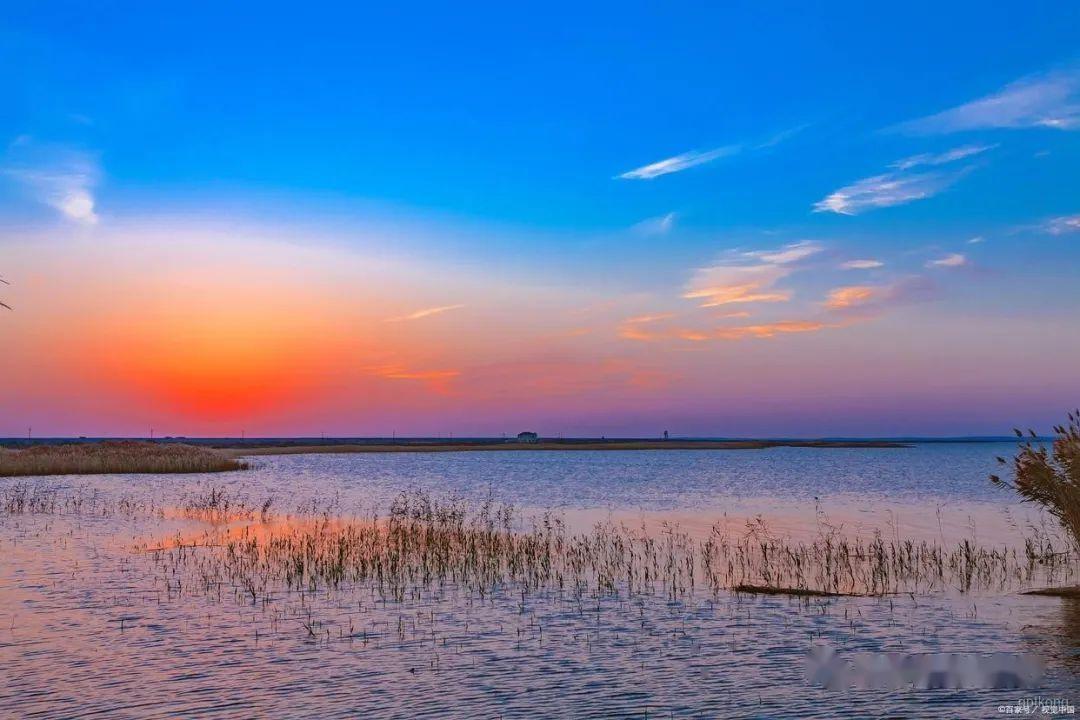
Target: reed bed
(424, 544)
(119, 456)
(35, 499)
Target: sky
(716, 219)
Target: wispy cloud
(885, 190)
(849, 296)
(768, 330)
(649, 329)
(978, 239)
(693, 158)
(397, 373)
(638, 328)
(861, 264)
(1062, 225)
(679, 163)
(660, 225)
(436, 380)
(1050, 100)
(59, 177)
(781, 136)
(641, 319)
(865, 301)
(425, 312)
(725, 284)
(740, 277)
(948, 156)
(952, 260)
(900, 186)
(748, 276)
(787, 254)
(757, 276)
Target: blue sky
(524, 115)
(637, 150)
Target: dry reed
(1050, 478)
(426, 544)
(118, 456)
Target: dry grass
(1051, 478)
(426, 543)
(121, 456)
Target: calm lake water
(91, 624)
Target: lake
(124, 603)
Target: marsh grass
(24, 498)
(117, 456)
(1050, 478)
(425, 544)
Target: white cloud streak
(661, 225)
(781, 136)
(952, 260)
(885, 190)
(1049, 100)
(425, 312)
(1063, 225)
(788, 253)
(679, 163)
(861, 264)
(693, 158)
(941, 158)
(900, 186)
(61, 178)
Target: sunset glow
(770, 271)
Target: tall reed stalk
(1050, 478)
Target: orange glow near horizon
(217, 367)
(197, 336)
(211, 343)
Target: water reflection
(1054, 629)
(87, 625)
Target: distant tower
(665, 435)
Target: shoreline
(547, 445)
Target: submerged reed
(115, 456)
(425, 544)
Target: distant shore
(405, 446)
(171, 456)
(457, 444)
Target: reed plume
(1050, 478)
